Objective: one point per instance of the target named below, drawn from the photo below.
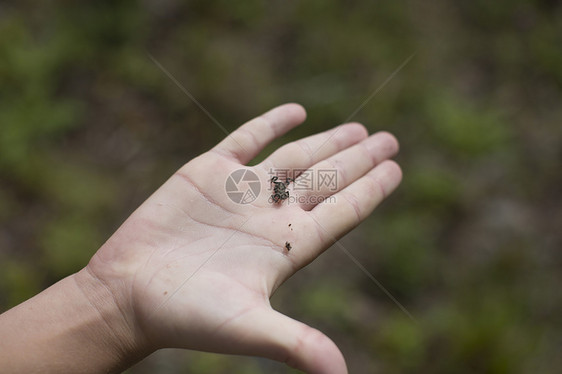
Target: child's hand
(191, 268)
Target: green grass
(469, 243)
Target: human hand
(192, 269)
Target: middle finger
(340, 170)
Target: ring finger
(333, 174)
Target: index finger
(250, 139)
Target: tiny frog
(280, 192)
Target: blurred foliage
(470, 243)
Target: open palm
(196, 270)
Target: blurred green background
(471, 242)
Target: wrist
(77, 325)
(113, 322)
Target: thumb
(302, 347)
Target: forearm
(74, 326)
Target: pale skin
(192, 269)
